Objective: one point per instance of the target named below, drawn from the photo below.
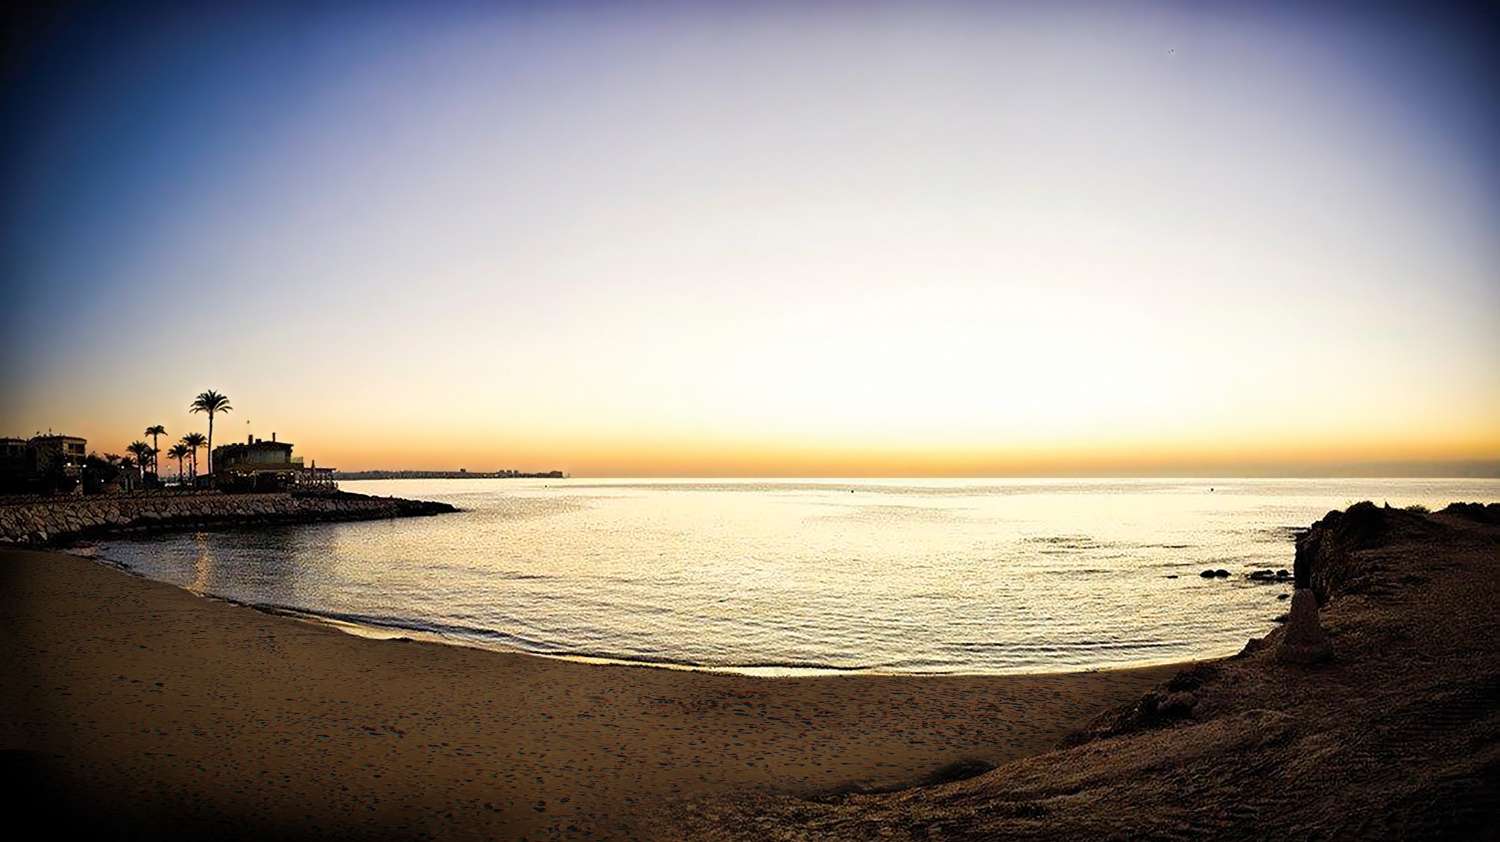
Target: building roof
(263, 445)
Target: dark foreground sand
(1398, 737)
(149, 710)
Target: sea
(798, 576)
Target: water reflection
(988, 576)
(203, 565)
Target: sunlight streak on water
(769, 575)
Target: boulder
(1303, 641)
(1177, 705)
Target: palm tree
(213, 403)
(153, 431)
(142, 453)
(179, 452)
(193, 442)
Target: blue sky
(706, 238)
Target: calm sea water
(788, 575)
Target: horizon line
(1227, 476)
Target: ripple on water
(788, 576)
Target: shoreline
(366, 628)
(1371, 717)
(135, 706)
(177, 714)
(373, 631)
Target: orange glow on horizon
(936, 242)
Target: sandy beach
(144, 709)
(1394, 735)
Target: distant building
(12, 450)
(41, 463)
(66, 451)
(264, 466)
(16, 460)
(461, 473)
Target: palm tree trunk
(210, 444)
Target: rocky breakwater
(61, 520)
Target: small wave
(411, 624)
(1059, 539)
(538, 647)
(862, 514)
(1064, 647)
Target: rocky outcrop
(1168, 704)
(1477, 512)
(60, 520)
(1329, 557)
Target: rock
(1262, 576)
(1329, 556)
(1221, 574)
(1475, 511)
(1283, 596)
(1171, 575)
(1177, 705)
(1282, 574)
(1303, 641)
(56, 519)
(1207, 574)
(1253, 645)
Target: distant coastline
(458, 474)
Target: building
(17, 463)
(259, 465)
(41, 463)
(59, 450)
(15, 456)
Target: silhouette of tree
(154, 431)
(142, 453)
(212, 403)
(194, 441)
(179, 451)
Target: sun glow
(708, 242)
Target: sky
(727, 239)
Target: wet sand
(148, 709)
